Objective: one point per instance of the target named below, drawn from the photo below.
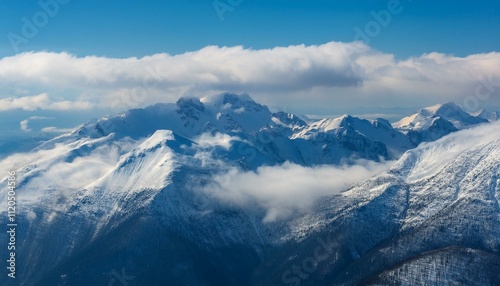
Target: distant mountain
(269, 138)
(125, 192)
(434, 122)
(490, 116)
(346, 128)
(282, 136)
(425, 118)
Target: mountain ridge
(128, 195)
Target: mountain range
(146, 193)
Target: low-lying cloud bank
(287, 189)
(335, 74)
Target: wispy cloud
(41, 101)
(53, 129)
(25, 123)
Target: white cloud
(283, 190)
(40, 117)
(329, 75)
(41, 101)
(24, 125)
(31, 216)
(207, 140)
(53, 129)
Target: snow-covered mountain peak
(456, 115)
(328, 124)
(165, 138)
(190, 103)
(230, 101)
(188, 117)
(288, 119)
(488, 115)
(347, 121)
(381, 122)
(443, 108)
(426, 118)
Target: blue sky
(65, 61)
(136, 28)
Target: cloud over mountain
(289, 188)
(336, 74)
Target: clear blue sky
(136, 28)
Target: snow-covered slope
(127, 192)
(433, 219)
